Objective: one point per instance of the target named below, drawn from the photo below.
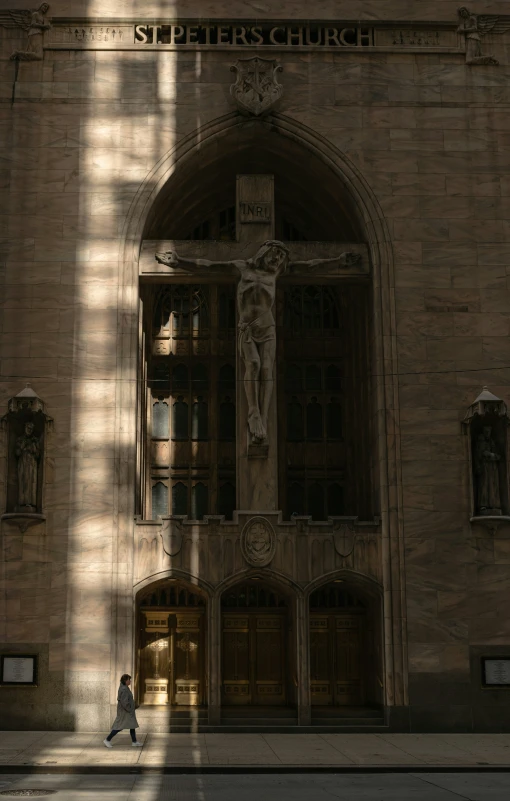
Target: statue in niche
(473, 27)
(34, 22)
(257, 330)
(28, 453)
(486, 468)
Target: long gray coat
(126, 718)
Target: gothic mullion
(147, 447)
(366, 429)
(282, 400)
(213, 411)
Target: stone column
(303, 665)
(214, 660)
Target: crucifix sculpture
(257, 262)
(256, 291)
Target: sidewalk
(58, 751)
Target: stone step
(268, 728)
(263, 713)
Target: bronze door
(335, 660)
(254, 659)
(172, 658)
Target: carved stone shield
(171, 535)
(344, 537)
(258, 542)
(256, 89)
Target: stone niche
(26, 424)
(486, 424)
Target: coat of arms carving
(171, 534)
(258, 542)
(344, 538)
(256, 89)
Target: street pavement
(413, 786)
(75, 750)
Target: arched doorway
(345, 209)
(172, 642)
(256, 651)
(345, 647)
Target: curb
(140, 770)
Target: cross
(256, 262)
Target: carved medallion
(171, 535)
(344, 537)
(256, 89)
(258, 542)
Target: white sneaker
(137, 745)
(107, 743)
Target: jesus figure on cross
(257, 330)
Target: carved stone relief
(34, 22)
(473, 27)
(256, 90)
(171, 534)
(344, 537)
(256, 291)
(258, 542)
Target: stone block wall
(430, 137)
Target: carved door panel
(320, 660)
(236, 660)
(348, 668)
(253, 659)
(187, 681)
(172, 658)
(269, 663)
(335, 660)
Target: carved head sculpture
(272, 257)
(29, 429)
(487, 431)
(44, 8)
(465, 13)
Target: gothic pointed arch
(365, 218)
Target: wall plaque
(268, 35)
(18, 669)
(496, 672)
(255, 212)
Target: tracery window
(191, 402)
(333, 596)
(252, 595)
(322, 399)
(311, 480)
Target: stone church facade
(255, 365)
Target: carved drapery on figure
(34, 22)
(473, 27)
(486, 468)
(486, 423)
(28, 453)
(257, 329)
(26, 424)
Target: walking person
(126, 718)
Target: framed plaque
(18, 669)
(496, 671)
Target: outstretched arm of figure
(171, 259)
(344, 260)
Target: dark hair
(124, 678)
